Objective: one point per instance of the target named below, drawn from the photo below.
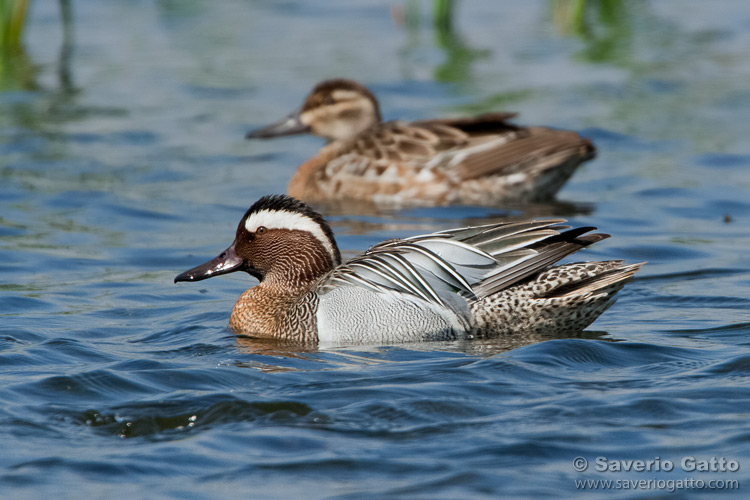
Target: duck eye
(328, 100)
(260, 230)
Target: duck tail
(564, 299)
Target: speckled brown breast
(265, 313)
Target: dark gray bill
(290, 125)
(226, 262)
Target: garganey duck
(482, 160)
(474, 281)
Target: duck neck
(294, 264)
(296, 274)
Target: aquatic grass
(570, 16)
(12, 20)
(443, 18)
(604, 25)
(458, 54)
(15, 67)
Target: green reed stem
(12, 20)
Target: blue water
(123, 163)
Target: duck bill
(291, 125)
(227, 262)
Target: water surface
(122, 163)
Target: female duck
(475, 281)
(481, 160)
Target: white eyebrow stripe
(345, 95)
(294, 221)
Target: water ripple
(165, 420)
(122, 167)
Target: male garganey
(482, 160)
(474, 281)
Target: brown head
(281, 241)
(336, 109)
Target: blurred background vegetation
(15, 68)
(17, 71)
(12, 18)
